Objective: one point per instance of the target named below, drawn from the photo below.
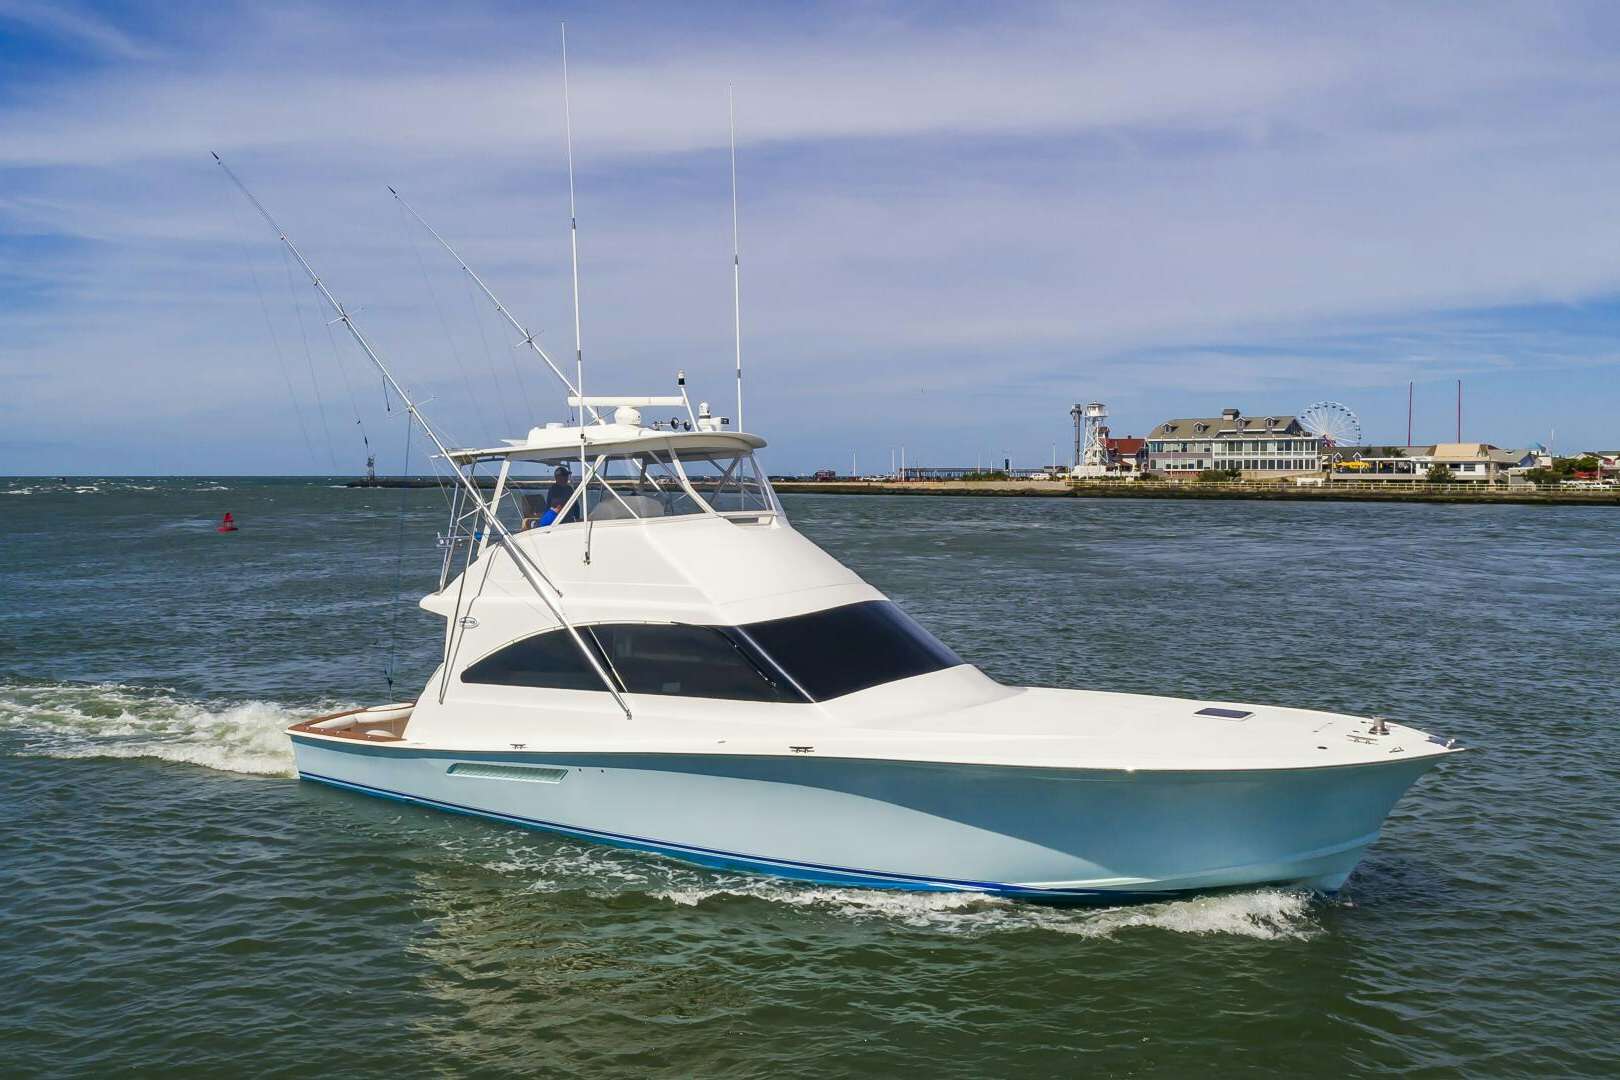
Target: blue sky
(956, 221)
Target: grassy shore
(1119, 489)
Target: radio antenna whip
(573, 248)
(736, 250)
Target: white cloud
(64, 22)
(1163, 198)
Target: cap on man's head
(562, 471)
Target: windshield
(814, 657)
(730, 483)
(838, 651)
(640, 485)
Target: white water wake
(111, 720)
(1268, 914)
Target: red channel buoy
(228, 525)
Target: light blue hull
(1057, 833)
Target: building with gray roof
(1260, 447)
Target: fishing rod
(520, 558)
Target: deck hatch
(533, 774)
(1224, 714)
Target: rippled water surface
(172, 900)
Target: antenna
(736, 252)
(573, 245)
(573, 228)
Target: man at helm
(560, 491)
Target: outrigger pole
(528, 335)
(521, 559)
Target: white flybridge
(640, 649)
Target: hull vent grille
(533, 774)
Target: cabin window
(550, 660)
(844, 649)
(688, 661)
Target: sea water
(172, 899)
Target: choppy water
(171, 900)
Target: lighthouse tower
(1090, 439)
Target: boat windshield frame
(660, 485)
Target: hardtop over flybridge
(640, 649)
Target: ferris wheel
(1334, 423)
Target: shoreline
(1123, 489)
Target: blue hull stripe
(732, 860)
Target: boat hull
(1057, 833)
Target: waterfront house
(1478, 462)
(1259, 447)
(1608, 462)
(1126, 454)
(1397, 463)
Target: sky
(956, 220)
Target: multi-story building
(1258, 447)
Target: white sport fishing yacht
(641, 650)
(667, 664)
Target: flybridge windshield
(813, 657)
(642, 484)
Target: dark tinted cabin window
(551, 660)
(844, 649)
(687, 661)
